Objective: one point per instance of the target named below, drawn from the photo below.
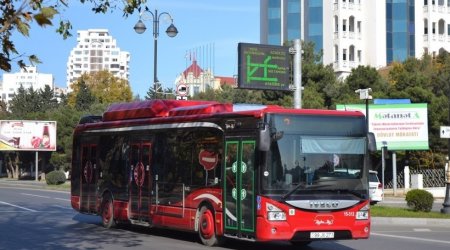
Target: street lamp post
(171, 32)
(364, 94)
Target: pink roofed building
(197, 80)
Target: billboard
(400, 126)
(263, 66)
(27, 135)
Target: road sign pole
(297, 74)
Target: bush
(419, 200)
(55, 178)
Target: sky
(209, 30)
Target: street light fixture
(140, 28)
(364, 94)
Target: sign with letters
(401, 126)
(263, 67)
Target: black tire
(107, 212)
(207, 227)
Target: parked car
(375, 188)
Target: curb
(410, 221)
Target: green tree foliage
(161, 93)
(27, 102)
(318, 80)
(228, 94)
(84, 98)
(18, 16)
(424, 80)
(103, 85)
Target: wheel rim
(207, 224)
(107, 212)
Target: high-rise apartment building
(359, 32)
(96, 50)
(27, 77)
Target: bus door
(140, 181)
(239, 187)
(89, 178)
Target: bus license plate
(321, 235)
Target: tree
(318, 78)
(47, 98)
(84, 98)
(18, 15)
(104, 86)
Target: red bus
(253, 172)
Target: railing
(431, 178)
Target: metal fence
(431, 178)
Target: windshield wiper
(353, 192)
(306, 187)
(293, 190)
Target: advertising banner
(398, 126)
(27, 135)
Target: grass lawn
(380, 211)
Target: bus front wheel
(207, 227)
(108, 212)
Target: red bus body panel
(184, 216)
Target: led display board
(263, 67)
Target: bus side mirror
(372, 142)
(264, 138)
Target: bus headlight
(274, 213)
(363, 213)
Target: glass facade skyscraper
(314, 15)
(351, 33)
(274, 21)
(400, 30)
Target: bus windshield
(311, 154)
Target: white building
(27, 77)
(197, 80)
(96, 50)
(359, 32)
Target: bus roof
(172, 108)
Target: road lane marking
(411, 238)
(12, 205)
(58, 206)
(35, 195)
(46, 197)
(61, 199)
(421, 230)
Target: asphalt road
(43, 219)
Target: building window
(336, 53)
(351, 27)
(352, 53)
(425, 27)
(344, 55)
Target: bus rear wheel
(108, 212)
(207, 227)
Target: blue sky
(210, 28)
